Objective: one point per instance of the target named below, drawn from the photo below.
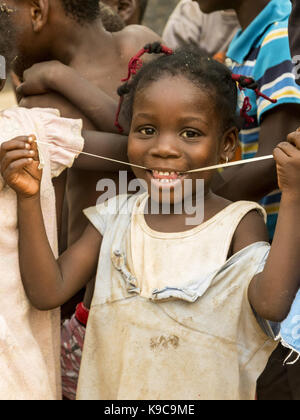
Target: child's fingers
(294, 138)
(21, 142)
(16, 155)
(287, 148)
(15, 167)
(280, 155)
(33, 144)
(22, 89)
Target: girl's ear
(229, 145)
(39, 14)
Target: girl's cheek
(135, 149)
(130, 148)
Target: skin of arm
(56, 101)
(272, 292)
(109, 145)
(255, 181)
(98, 107)
(49, 283)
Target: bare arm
(113, 146)
(49, 283)
(56, 101)
(254, 181)
(98, 107)
(272, 292)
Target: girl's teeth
(161, 173)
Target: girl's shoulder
(251, 229)
(243, 221)
(112, 212)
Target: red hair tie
(249, 83)
(134, 65)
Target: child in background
(187, 25)
(97, 55)
(29, 339)
(185, 325)
(261, 50)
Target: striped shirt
(262, 51)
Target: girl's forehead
(174, 90)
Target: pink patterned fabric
(72, 339)
(29, 338)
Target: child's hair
(205, 72)
(197, 67)
(82, 11)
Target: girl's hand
(39, 78)
(19, 162)
(287, 156)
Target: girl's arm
(272, 292)
(94, 103)
(48, 283)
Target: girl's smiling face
(176, 128)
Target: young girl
(178, 310)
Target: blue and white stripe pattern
(262, 52)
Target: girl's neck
(248, 10)
(174, 223)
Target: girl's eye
(147, 131)
(190, 134)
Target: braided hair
(196, 66)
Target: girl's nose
(166, 147)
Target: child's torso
(167, 325)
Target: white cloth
(30, 339)
(211, 32)
(170, 317)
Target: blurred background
(156, 17)
(157, 14)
